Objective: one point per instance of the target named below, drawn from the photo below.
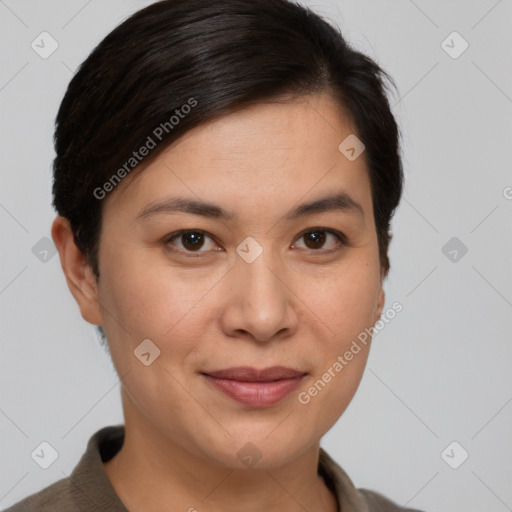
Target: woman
(225, 177)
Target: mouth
(255, 388)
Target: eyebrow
(341, 202)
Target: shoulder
(350, 498)
(57, 497)
(378, 503)
(87, 487)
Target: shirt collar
(91, 487)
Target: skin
(297, 305)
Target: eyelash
(342, 240)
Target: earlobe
(79, 276)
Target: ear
(380, 304)
(79, 276)
(381, 297)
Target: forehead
(273, 151)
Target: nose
(261, 304)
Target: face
(258, 279)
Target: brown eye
(191, 241)
(316, 239)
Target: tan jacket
(88, 489)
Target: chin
(260, 449)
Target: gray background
(438, 373)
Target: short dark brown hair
(223, 55)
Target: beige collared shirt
(88, 488)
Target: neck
(151, 472)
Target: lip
(253, 387)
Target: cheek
(328, 395)
(139, 301)
(163, 306)
(144, 299)
(346, 305)
(345, 300)
(341, 350)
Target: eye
(197, 241)
(191, 241)
(316, 238)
